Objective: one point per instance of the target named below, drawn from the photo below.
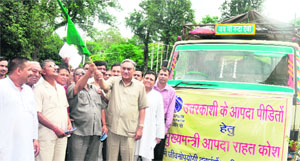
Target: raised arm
(99, 79)
(83, 80)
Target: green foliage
(108, 37)
(159, 20)
(119, 51)
(208, 19)
(51, 48)
(170, 16)
(231, 8)
(25, 30)
(27, 26)
(85, 12)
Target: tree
(110, 36)
(159, 20)
(117, 52)
(24, 29)
(231, 8)
(27, 26)
(142, 28)
(170, 16)
(84, 13)
(207, 19)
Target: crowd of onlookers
(91, 113)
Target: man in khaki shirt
(125, 112)
(52, 115)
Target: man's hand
(158, 140)
(92, 68)
(98, 75)
(139, 133)
(36, 147)
(59, 132)
(99, 91)
(104, 129)
(70, 127)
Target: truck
(237, 93)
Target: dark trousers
(104, 150)
(159, 150)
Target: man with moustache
(138, 75)
(52, 115)
(125, 112)
(116, 70)
(169, 97)
(18, 117)
(107, 75)
(101, 67)
(63, 77)
(36, 73)
(3, 67)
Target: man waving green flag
(73, 36)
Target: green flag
(73, 36)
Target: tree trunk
(34, 54)
(167, 41)
(146, 50)
(146, 56)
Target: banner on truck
(212, 125)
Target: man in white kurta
(18, 115)
(154, 125)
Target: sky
(281, 10)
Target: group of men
(49, 117)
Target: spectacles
(78, 73)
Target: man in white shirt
(52, 115)
(18, 114)
(154, 124)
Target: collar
(48, 85)
(122, 82)
(13, 84)
(165, 88)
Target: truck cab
(249, 77)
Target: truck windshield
(263, 64)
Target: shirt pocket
(96, 98)
(132, 125)
(83, 98)
(50, 102)
(132, 99)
